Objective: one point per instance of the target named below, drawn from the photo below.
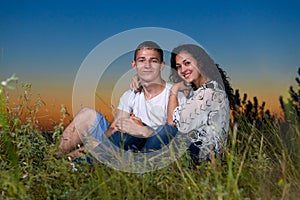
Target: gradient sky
(44, 42)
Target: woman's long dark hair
(227, 86)
(206, 65)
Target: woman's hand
(180, 87)
(135, 84)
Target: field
(262, 160)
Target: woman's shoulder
(212, 86)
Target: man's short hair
(150, 45)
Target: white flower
(74, 169)
(4, 83)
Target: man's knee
(86, 115)
(87, 111)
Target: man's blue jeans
(159, 138)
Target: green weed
(260, 162)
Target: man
(138, 113)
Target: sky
(45, 42)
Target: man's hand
(136, 119)
(111, 130)
(133, 126)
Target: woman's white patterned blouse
(204, 117)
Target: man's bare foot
(77, 153)
(59, 153)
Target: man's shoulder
(131, 95)
(127, 100)
(129, 91)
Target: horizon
(44, 43)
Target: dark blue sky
(257, 42)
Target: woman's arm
(173, 100)
(172, 104)
(135, 84)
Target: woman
(198, 104)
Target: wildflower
(280, 182)
(4, 83)
(25, 176)
(74, 169)
(67, 194)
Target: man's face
(148, 65)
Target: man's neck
(151, 90)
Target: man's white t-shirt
(152, 112)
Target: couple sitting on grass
(197, 104)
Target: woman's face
(187, 69)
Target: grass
(261, 162)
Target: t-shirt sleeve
(126, 101)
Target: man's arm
(112, 128)
(132, 125)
